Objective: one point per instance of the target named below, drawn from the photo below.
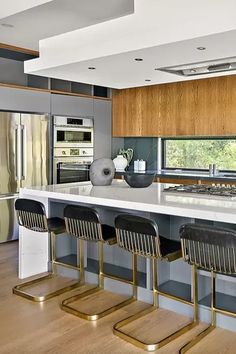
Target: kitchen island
(169, 210)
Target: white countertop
(150, 199)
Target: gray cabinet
(71, 105)
(19, 100)
(102, 128)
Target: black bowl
(139, 180)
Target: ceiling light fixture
(91, 68)
(201, 48)
(138, 59)
(8, 25)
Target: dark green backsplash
(145, 149)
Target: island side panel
(33, 247)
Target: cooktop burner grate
(217, 190)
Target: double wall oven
(73, 149)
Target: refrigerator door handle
(9, 196)
(18, 152)
(23, 152)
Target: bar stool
(83, 223)
(140, 236)
(31, 215)
(212, 249)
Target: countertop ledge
(151, 199)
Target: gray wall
(12, 72)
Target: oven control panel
(64, 152)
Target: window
(199, 153)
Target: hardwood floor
(27, 327)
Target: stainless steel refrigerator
(24, 162)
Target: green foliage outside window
(198, 154)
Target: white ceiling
(162, 32)
(38, 19)
(122, 71)
(11, 7)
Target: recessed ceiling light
(7, 25)
(91, 68)
(147, 80)
(201, 48)
(138, 59)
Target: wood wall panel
(204, 107)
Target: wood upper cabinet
(176, 110)
(216, 109)
(205, 107)
(126, 112)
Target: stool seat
(168, 247)
(56, 225)
(108, 233)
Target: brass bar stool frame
(216, 253)
(92, 230)
(37, 221)
(149, 246)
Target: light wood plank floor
(27, 327)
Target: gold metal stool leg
(67, 304)
(211, 327)
(21, 289)
(117, 328)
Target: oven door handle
(74, 168)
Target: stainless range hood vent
(221, 67)
(202, 68)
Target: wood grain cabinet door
(202, 107)
(176, 110)
(216, 106)
(150, 110)
(126, 112)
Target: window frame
(163, 155)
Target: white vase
(120, 163)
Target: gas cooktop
(204, 189)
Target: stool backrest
(209, 247)
(138, 235)
(31, 214)
(83, 222)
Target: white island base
(168, 210)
